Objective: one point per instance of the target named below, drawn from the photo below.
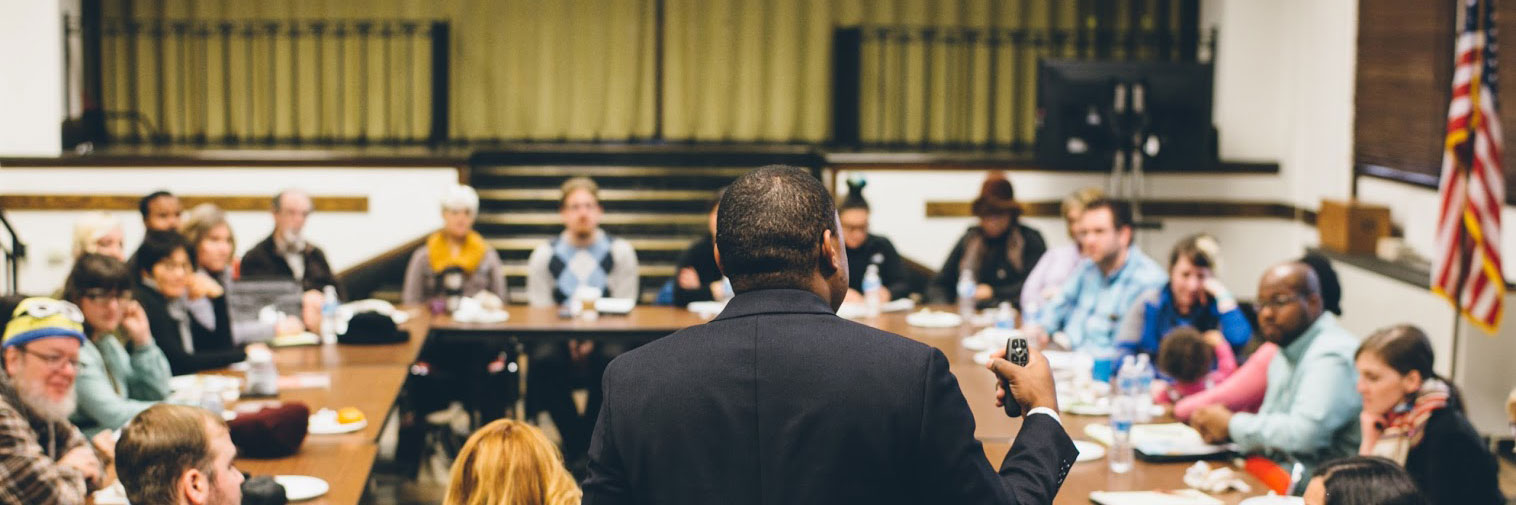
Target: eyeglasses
(1277, 302)
(41, 309)
(53, 361)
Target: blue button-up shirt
(1092, 305)
(1310, 410)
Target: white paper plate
(706, 308)
(325, 428)
(302, 487)
(614, 305)
(926, 319)
(1088, 409)
(1273, 499)
(1088, 451)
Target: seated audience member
(121, 371)
(160, 211)
(175, 454)
(1241, 391)
(1193, 297)
(865, 249)
(1415, 418)
(691, 418)
(1054, 268)
(999, 252)
(210, 237)
(1510, 409)
(698, 278)
(510, 462)
(1310, 410)
(1102, 290)
(1195, 361)
(162, 275)
(1331, 288)
(1361, 480)
(287, 254)
(99, 233)
(455, 256)
(583, 256)
(45, 459)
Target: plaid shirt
(30, 447)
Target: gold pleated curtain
(520, 70)
(588, 70)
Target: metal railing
(269, 81)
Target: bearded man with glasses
(43, 458)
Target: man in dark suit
(779, 401)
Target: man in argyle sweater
(583, 256)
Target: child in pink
(1187, 356)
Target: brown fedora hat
(996, 196)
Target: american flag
(1472, 189)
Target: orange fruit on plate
(349, 415)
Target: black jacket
(877, 250)
(213, 349)
(779, 401)
(994, 269)
(263, 260)
(1451, 464)
(700, 256)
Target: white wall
(402, 205)
(1284, 90)
(31, 78)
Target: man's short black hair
(769, 228)
(1121, 211)
(143, 203)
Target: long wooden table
(367, 376)
(997, 431)
(370, 377)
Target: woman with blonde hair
(100, 233)
(508, 462)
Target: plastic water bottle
(1121, 453)
(1005, 317)
(966, 288)
(262, 375)
(329, 304)
(1144, 389)
(871, 286)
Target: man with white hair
(287, 254)
(43, 458)
(455, 259)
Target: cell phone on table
(1016, 353)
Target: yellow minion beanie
(40, 317)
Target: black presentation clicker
(1016, 353)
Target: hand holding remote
(1016, 353)
(1026, 380)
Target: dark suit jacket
(779, 401)
(263, 260)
